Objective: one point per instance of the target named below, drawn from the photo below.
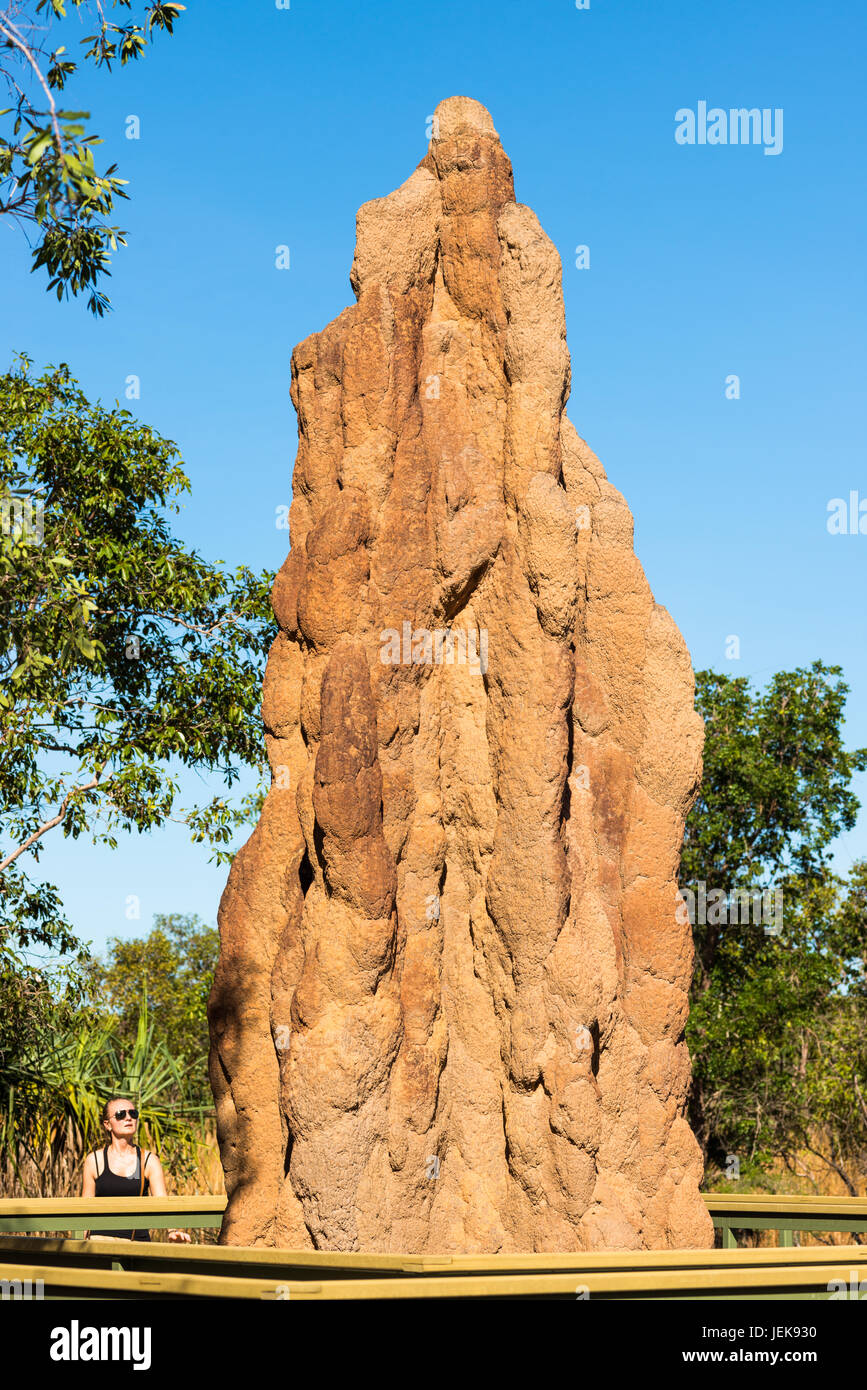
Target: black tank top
(109, 1184)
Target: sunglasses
(122, 1114)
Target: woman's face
(120, 1128)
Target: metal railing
(786, 1215)
(108, 1213)
(730, 1213)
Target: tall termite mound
(450, 1004)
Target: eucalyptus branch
(50, 824)
(14, 39)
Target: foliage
(173, 967)
(48, 174)
(777, 1021)
(121, 652)
(36, 999)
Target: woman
(120, 1169)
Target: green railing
(109, 1213)
(786, 1215)
(730, 1213)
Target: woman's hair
(110, 1101)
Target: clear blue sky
(705, 261)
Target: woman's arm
(89, 1184)
(157, 1182)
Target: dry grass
(810, 1178)
(208, 1179)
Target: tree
(48, 176)
(772, 1000)
(121, 653)
(34, 1002)
(173, 968)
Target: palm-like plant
(54, 1092)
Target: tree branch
(49, 824)
(12, 36)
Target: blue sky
(705, 261)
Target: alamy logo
(857, 1288)
(21, 1289)
(76, 1343)
(737, 126)
(730, 907)
(22, 518)
(423, 647)
(847, 520)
